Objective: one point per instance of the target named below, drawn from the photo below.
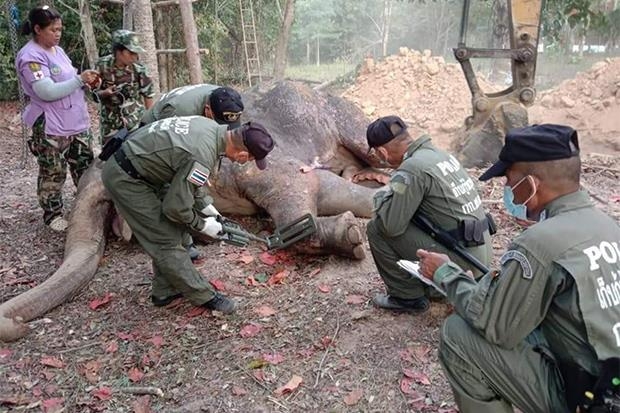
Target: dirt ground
(306, 336)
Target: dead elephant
(320, 138)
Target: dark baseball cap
(536, 143)
(227, 107)
(258, 142)
(383, 130)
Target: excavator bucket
(495, 113)
(292, 232)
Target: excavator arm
(495, 113)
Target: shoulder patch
(518, 256)
(198, 175)
(34, 67)
(399, 182)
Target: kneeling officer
(181, 153)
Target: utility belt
(587, 393)
(470, 232)
(126, 165)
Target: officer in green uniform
(125, 89)
(534, 333)
(222, 104)
(426, 181)
(180, 153)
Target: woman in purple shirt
(56, 112)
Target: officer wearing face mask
(429, 182)
(538, 333)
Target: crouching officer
(538, 333)
(180, 153)
(220, 103)
(427, 182)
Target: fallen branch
(153, 391)
(318, 373)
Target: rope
(12, 14)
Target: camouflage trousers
(53, 154)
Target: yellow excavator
(495, 113)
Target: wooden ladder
(250, 45)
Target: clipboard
(413, 268)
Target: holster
(113, 144)
(604, 395)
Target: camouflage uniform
(53, 154)
(125, 107)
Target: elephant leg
(287, 194)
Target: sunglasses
(231, 116)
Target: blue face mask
(518, 211)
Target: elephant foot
(341, 234)
(120, 228)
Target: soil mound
(590, 103)
(422, 89)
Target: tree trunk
(385, 29)
(143, 23)
(88, 33)
(128, 15)
(279, 65)
(307, 52)
(318, 50)
(191, 41)
(161, 28)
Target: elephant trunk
(84, 248)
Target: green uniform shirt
(125, 107)
(182, 153)
(537, 287)
(183, 101)
(431, 181)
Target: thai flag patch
(197, 177)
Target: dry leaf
(405, 385)
(135, 374)
(274, 358)
(218, 284)
(5, 353)
(103, 393)
(126, 336)
(314, 272)
(267, 258)
(251, 281)
(157, 341)
(98, 302)
(355, 299)
(278, 277)
(259, 375)
(195, 312)
(53, 405)
(246, 259)
(52, 362)
(112, 347)
(352, 398)
(91, 371)
(289, 387)
(265, 311)
(324, 288)
(142, 404)
(238, 391)
(250, 330)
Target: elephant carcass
(331, 130)
(309, 128)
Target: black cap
(536, 143)
(258, 142)
(383, 130)
(226, 104)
